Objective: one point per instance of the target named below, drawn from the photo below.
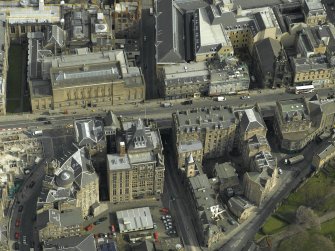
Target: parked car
(20, 208)
(89, 227)
(17, 223)
(232, 222)
(163, 217)
(17, 235)
(32, 184)
(168, 216)
(187, 102)
(245, 97)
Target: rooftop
(293, 109)
(74, 243)
(309, 64)
(48, 14)
(186, 73)
(117, 162)
(190, 146)
(208, 37)
(199, 119)
(88, 131)
(72, 171)
(134, 219)
(225, 171)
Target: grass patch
(306, 241)
(14, 80)
(258, 236)
(12, 106)
(273, 225)
(318, 193)
(328, 229)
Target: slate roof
(88, 131)
(169, 33)
(74, 243)
(74, 172)
(266, 50)
(61, 219)
(251, 119)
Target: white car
(245, 97)
(24, 240)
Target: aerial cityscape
(162, 125)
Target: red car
(113, 228)
(17, 235)
(164, 210)
(89, 227)
(17, 223)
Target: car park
(24, 240)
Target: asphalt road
(177, 205)
(27, 197)
(150, 109)
(148, 63)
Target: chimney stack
(122, 148)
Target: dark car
(41, 119)
(48, 122)
(20, 208)
(32, 184)
(188, 102)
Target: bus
(304, 89)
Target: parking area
(105, 227)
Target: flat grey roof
(190, 146)
(134, 219)
(201, 118)
(117, 162)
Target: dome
(65, 178)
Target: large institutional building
(136, 169)
(70, 188)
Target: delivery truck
(294, 160)
(220, 99)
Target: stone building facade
(136, 170)
(214, 127)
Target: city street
(27, 198)
(177, 203)
(150, 109)
(148, 63)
